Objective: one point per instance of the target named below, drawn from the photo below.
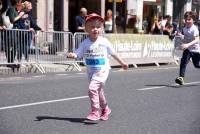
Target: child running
(95, 51)
(190, 46)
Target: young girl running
(95, 51)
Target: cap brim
(93, 18)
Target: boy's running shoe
(180, 80)
(105, 114)
(93, 116)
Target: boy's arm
(186, 45)
(120, 61)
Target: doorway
(58, 15)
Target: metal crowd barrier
(22, 50)
(52, 49)
(78, 38)
(14, 51)
(138, 49)
(37, 51)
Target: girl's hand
(125, 66)
(71, 55)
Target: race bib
(95, 62)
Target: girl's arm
(120, 61)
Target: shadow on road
(73, 120)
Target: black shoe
(12, 66)
(18, 67)
(180, 80)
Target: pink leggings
(96, 95)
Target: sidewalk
(33, 68)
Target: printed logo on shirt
(95, 57)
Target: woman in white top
(108, 21)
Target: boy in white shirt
(190, 46)
(95, 51)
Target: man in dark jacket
(80, 20)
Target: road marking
(11, 78)
(149, 88)
(80, 73)
(159, 87)
(39, 76)
(42, 102)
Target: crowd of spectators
(164, 26)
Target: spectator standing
(190, 46)
(145, 25)
(163, 23)
(168, 29)
(13, 14)
(175, 28)
(2, 27)
(22, 35)
(1, 20)
(80, 20)
(95, 50)
(11, 38)
(156, 27)
(33, 26)
(108, 21)
(26, 22)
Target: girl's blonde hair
(26, 4)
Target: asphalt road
(143, 101)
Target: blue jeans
(185, 60)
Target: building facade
(59, 15)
